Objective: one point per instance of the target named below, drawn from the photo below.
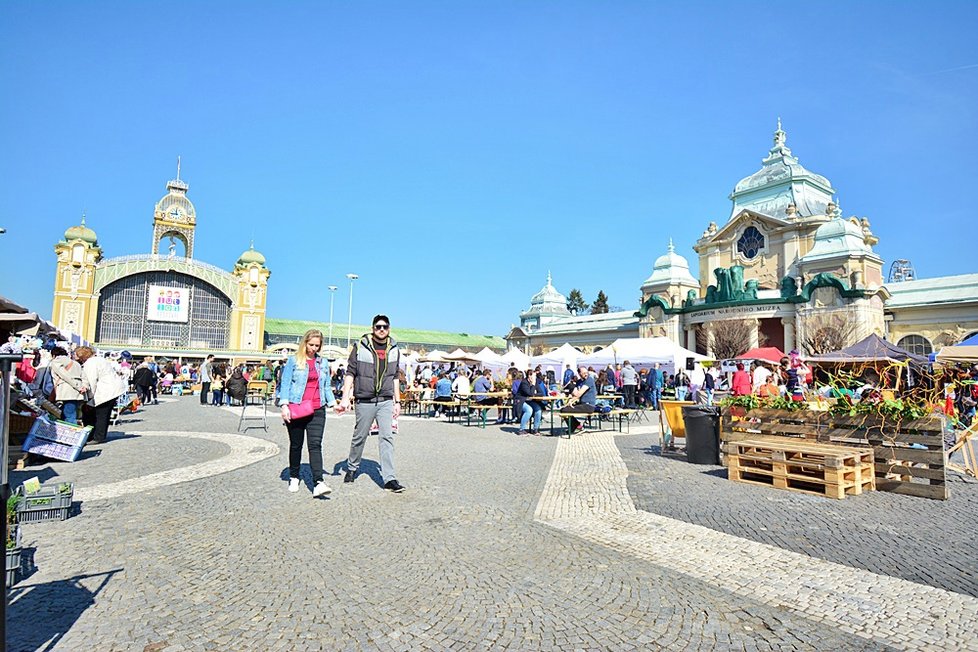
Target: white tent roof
(516, 358)
(642, 351)
(958, 354)
(564, 354)
(433, 356)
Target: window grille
(916, 344)
(122, 314)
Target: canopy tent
(489, 359)
(767, 354)
(29, 323)
(458, 355)
(408, 360)
(643, 351)
(565, 354)
(873, 348)
(433, 356)
(966, 351)
(515, 358)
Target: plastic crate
(48, 504)
(13, 558)
(58, 440)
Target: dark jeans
(218, 397)
(144, 394)
(205, 389)
(312, 428)
(577, 408)
(629, 395)
(103, 413)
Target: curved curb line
(245, 450)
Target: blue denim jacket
(293, 383)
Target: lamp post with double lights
(349, 322)
(332, 295)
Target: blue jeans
(681, 393)
(69, 411)
(525, 417)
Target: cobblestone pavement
(925, 541)
(232, 561)
(587, 495)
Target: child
(217, 390)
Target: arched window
(751, 243)
(916, 344)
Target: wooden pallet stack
(909, 455)
(822, 469)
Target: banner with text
(168, 304)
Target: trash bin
(702, 433)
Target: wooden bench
(830, 470)
(909, 456)
(453, 405)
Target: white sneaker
(321, 489)
(294, 485)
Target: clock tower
(174, 219)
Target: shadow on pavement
(367, 467)
(49, 610)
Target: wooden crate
(909, 455)
(822, 469)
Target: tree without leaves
(600, 305)
(727, 339)
(827, 333)
(575, 302)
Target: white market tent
(458, 355)
(966, 351)
(565, 354)
(489, 359)
(515, 358)
(644, 352)
(433, 356)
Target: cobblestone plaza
(185, 538)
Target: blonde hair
(300, 355)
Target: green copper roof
(407, 336)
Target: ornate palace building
(788, 263)
(160, 303)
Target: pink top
(312, 386)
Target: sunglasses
(381, 327)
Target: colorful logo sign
(168, 304)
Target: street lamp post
(349, 323)
(332, 295)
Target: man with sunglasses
(371, 377)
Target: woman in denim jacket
(304, 388)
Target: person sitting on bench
(443, 394)
(585, 395)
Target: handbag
(300, 410)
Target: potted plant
(14, 547)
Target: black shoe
(394, 486)
(349, 477)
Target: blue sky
(451, 153)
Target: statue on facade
(750, 290)
(789, 287)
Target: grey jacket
(369, 381)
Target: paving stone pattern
(586, 495)
(232, 561)
(925, 541)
